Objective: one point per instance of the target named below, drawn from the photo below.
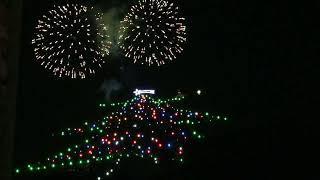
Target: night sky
(215, 60)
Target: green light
(88, 161)
(61, 154)
(62, 134)
(70, 163)
(85, 123)
(53, 165)
(38, 168)
(31, 168)
(225, 119)
(108, 157)
(17, 171)
(87, 141)
(62, 164)
(199, 136)
(218, 117)
(188, 121)
(207, 114)
(44, 167)
(181, 160)
(101, 131)
(80, 162)
(69, 150)
(194, 132)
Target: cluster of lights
(71, 41)
(143, 127)
(152, 32)
(157, 101)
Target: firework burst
(71, 41)
(152, 32)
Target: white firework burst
(152, 32)
(71, 40)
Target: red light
(90, 152)
(134, 142)
(80, 155)
(160, 145)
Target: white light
(138, 92)
(199, 92)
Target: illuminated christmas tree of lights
(143, 126)
(71, 40)
(152, 32)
